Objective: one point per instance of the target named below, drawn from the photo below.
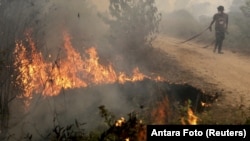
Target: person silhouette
(221, 25)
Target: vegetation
(37, 17)
(10, 29)
(133, 24)
(246, 8)
(130, 128)
(133, 27)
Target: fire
(119, 122)
(137, 76)
(161, 112)
(138, 128)
(192, 119)
(203, 104)
(37, 76)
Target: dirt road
(229, 72)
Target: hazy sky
(209, 5)
(196, 7)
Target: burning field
(36, 76)
(75, 69)
(73, 86)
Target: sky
(195, 7)
(192, 5)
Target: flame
(37, 76)
(203, 104)
(161, 112)
(119, 122)
(192, 119)
(139, 127)
(142, 133)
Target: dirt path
(230, 71)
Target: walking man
(221, 24)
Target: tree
(15, 17)
(246, 8)
(133, 24)
(239, 26)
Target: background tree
(133, 24)
(246, 8)
(238, 38)
(46, 20)
(14, 18)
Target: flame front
(35, 75)
(161, 112)
(192, 119)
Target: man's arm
(227, 23)
(211, 24)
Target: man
(221, 24)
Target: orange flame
(119, 122)
(203, 104)
(36, 76)
(192, 119)
(161, 112)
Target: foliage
(119, 130)
(246, 8)
(238, 36)
(132, 129)
(180, 23)
(13, 22)
(109, 118)
(133, 23)
(44, 19)
(71, 132)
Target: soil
(226, 75)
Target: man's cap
(220, 8)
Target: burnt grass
(148, 99)
(139, 96)
(161, 63)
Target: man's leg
(220, 46)
(216, 45)
(222, 37)
(216, 41)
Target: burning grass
(36, 76)
(75, 84)
(132, 106)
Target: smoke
(195, 7)
(53, 18)
(76, 104)
(79, 19)
(184, 19)
(50, 18)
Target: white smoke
(195, 7)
